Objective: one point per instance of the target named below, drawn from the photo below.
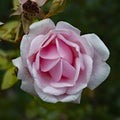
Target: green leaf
(9, 78)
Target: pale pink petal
(42, 80)
(54, 91)
(100, 72)
(56, 72)
(74, 40)
(69, 98)
(98, 45)
(35, 44)
(65, 83)
(49, 52)
(64, 51)
(60, 98)
(70, 44)
(41, 27)
(24, 48)
(64, 25)
(44, 96)
(70, 82)
(24, 75)
(47, 65)
(84, 76)
(68, 70)
(50, 37)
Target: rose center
(56, 60)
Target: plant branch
(7, 40)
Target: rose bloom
(57, 63)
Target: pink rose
(57, 63)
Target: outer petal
(98, 45)
(54, 99)
(72, 97)
(65, 25)
(41, 27)
(44, 96)
(24, 75)
(24, 48)
(100, 72)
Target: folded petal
(64, 51)
(84, 76)
(56, 71)
(44, 96)
(49, 52)
(65, 25)
(98, 45)
(54, 91)
(35, 45)
(47, 65)
(24, 48)
(24, 75)
(68, 98)
(68, 70)
(100, 72)
(41, 27)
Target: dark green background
(90, 16)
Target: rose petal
(100, 72)
(56, 72)
(40, 78)
(84, 76)
(47, 65)
(64, 51)
(69, 98)
(24, 48)
(98, 45)
(69, 82)
(54, 91)
(68, 70)
(44, 96)
(24, 75)
(65, 25)
(36, 44)
(41, 27)
(70, 44)
(52, 54)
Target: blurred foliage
(99, 16)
